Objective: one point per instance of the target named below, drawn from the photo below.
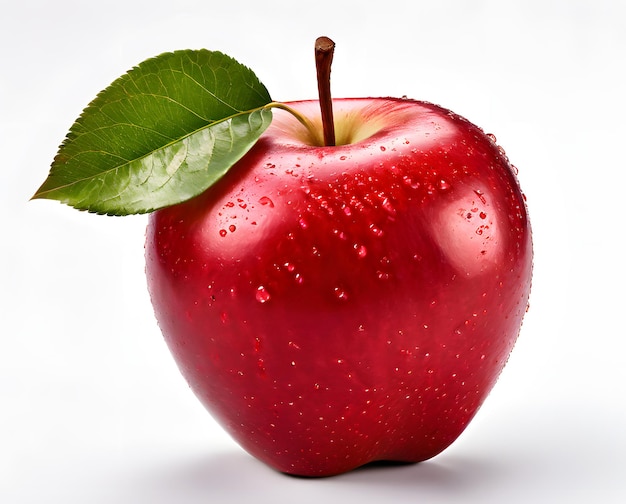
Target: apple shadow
(234, 476)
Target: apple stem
(324, 50)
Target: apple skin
(334, 306)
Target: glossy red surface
(332, 306)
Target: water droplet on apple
(261, 367)
(410, 182)
(223, 232)
(303, 223)
(232, 228)
(383, 148)
(361, 250)
(444, 185)
(376, 230)
(480, 195)
(262, 295)
(341, 294)
(492, 137)
(265, 200)
(388, 206)
(343, 158)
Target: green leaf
(162, 133)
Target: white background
(92, 407)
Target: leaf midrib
(146, 155)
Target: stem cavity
(324, 50)
(301, 119)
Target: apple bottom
(331, 401)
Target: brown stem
(324, 50)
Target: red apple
(333, 306)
